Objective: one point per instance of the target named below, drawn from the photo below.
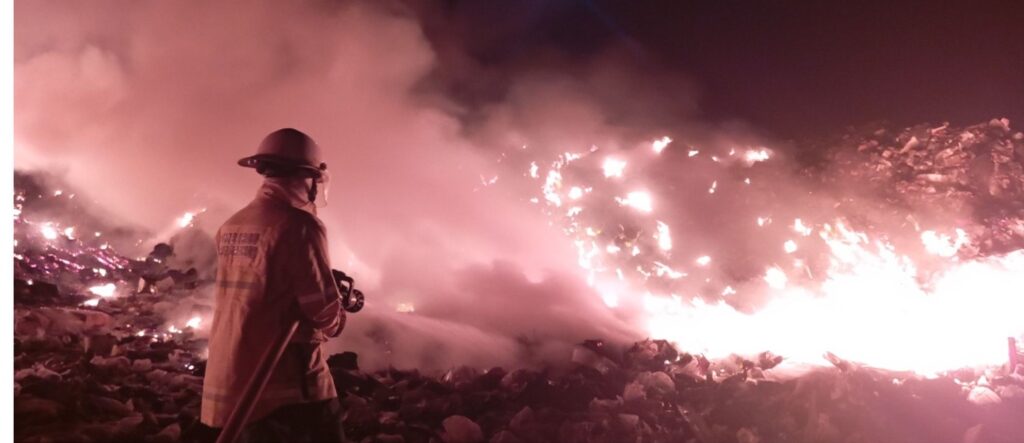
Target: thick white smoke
(146, 106)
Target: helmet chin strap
(312, 193)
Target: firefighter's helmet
(289, 148)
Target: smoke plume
(145, 107)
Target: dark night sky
(793, 69)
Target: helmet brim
(254, 160)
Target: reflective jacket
(272, 269)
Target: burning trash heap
(109, 346)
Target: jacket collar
(291, 192)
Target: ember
(845, 270)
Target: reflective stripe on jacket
(272, 269)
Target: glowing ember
(692, 153)
(775, 277)
(662, 269)
(664, 237)
(703, 260)
(638, 200)
(91, 302)
(534, 170)
(186, 219)
(789, 246)
(69, 233)
(551, 186)
(801, 229)
(575, 193)
(757, 155)
(105, 290)
(48, 231)
(714, 185)
(193, 322)
(613, 167)
(660, 144)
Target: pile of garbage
(106, 346)
(651, 392)
(975, 173)
(109, 341)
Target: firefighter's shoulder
(303, 222)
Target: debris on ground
(109, 342)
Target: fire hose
(351, 300)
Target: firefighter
(272, 269)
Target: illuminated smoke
(585, 229)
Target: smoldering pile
(106, 347)
(975, 172)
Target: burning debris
(109, 345)
(886, 229)
(97, 357)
